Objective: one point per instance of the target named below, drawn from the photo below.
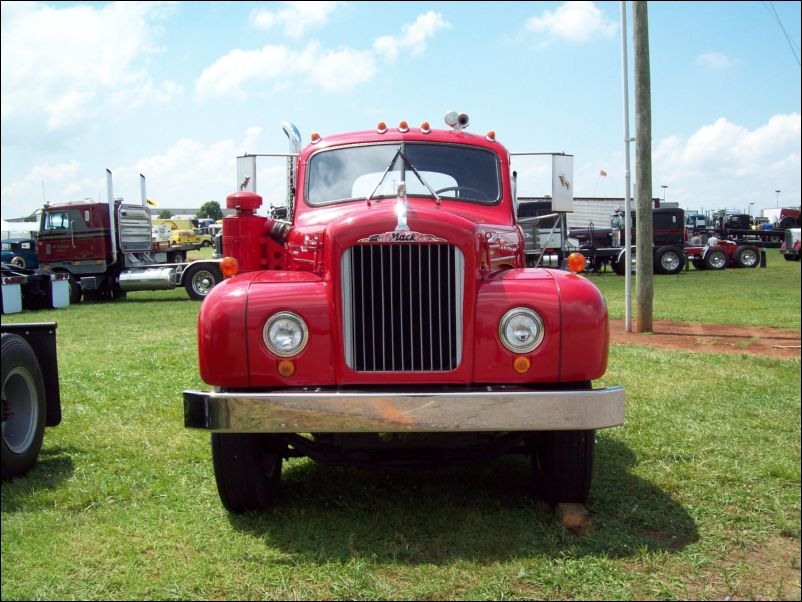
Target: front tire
(199, 280)
(562, 465)
(247, 468)
(23, 407)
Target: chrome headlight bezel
(292, 318)
(537, 321)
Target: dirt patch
(712, 338)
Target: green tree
(210, 210)
(165, 214)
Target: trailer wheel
(562, 465)
(716, 260)
(669, 260)
(200, 279)
(747, 257)
(247, 469)
(23, 406)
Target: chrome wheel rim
(20, 402)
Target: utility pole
(644, 275)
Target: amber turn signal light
(576, 262)
(522, 365)
(286, 368)
(229, 266)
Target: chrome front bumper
(350, 411)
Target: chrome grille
(402, 307)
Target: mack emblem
(402, 237)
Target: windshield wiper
(407, 163)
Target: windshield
(454, 172)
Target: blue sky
(177, 90)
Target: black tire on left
(23, 407)
(562, 465)
(247, 468)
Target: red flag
(602, 173)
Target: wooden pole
(643, 169)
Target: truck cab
(390, 321)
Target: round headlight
(521, 330)
(285, 334)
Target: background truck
(31, 398)
(107, 250)
(390, 321)
(672, 251)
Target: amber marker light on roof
(403, 127)
(576, 262)
(381, 127)
(522, 365)
(315, 137)
(286, 368)
(491, 136)
(424, 127)
(229, 266)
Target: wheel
(456, 189)
(562, 465)
(200, 279)
(746, 257)
(247, 468)
(699, 264)
(716, 260)
(176, 257)
(669, 260)
(787, 222)
(618, 265)
(23, 406)
(206, 243)
(19, 262)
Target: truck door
(55, 237)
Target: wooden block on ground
(572, 516)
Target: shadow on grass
(53, 467)
(484, 513)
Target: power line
(773, 12)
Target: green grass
(697, 496)
(751, 297)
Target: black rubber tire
(716, 260)
(176, 257)
(247, 468)
(562, 465)
(23, 407)
(746, 256)
(197, 280)
(788, 222)
(699, 264)
(669, 255)
(76, 292)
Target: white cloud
(62, 66)
(186, 174)
(725, 163)
(295, 19)
(572, 22)
(413, 36)
(239, 71)
(715, 60)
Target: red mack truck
(107, 250)
(390, 321)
